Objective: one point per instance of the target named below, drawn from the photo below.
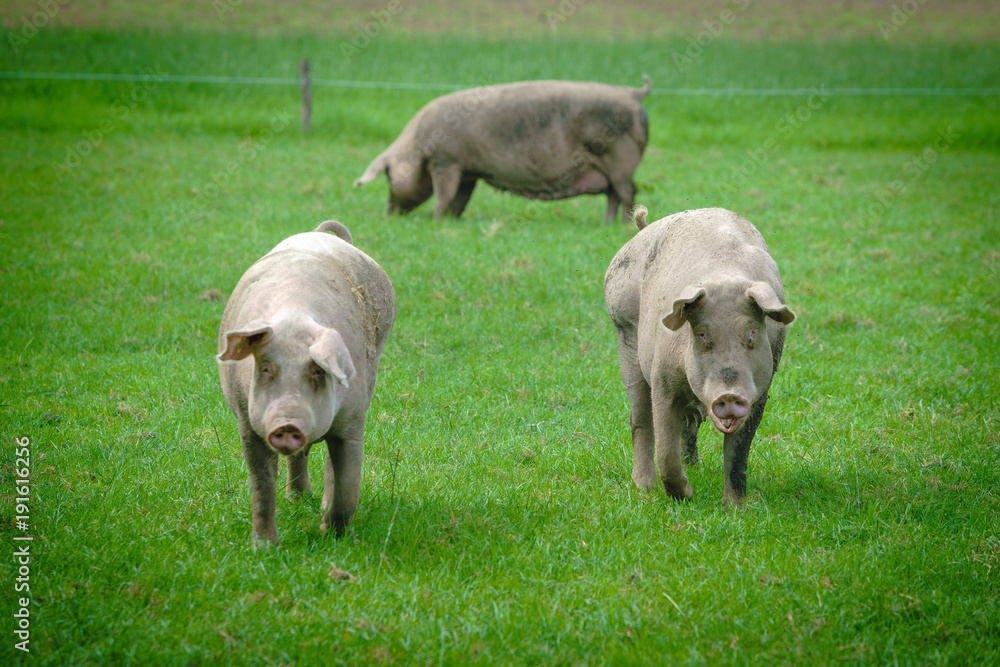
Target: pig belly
(590, 182)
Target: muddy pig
(300, 343)
(537, 139)
(699, 311)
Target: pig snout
(287, 439)
(729, 411)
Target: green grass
(498, 522)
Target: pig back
(523, 132)
(706, 245)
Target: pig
(300, 342)
(538, 139)
(699, 312)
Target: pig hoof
(339, 530)
(262, 543)
(732, 502)
(643, 482)
(686, 494)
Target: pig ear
(690, 296)
(331, 354)
(763, 295)
(377, 166)
(239, 344)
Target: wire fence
(444, 87)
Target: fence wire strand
(446, 87)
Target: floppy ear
(688, 299)
(331, 354)
(763, 295)
(239, 344)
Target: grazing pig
(300, 340)
(538, 139)
(699, 311)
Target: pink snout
(287, 439)
(729, 411)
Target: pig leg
(691, 440)
(445, 180)
(262, 465)
(462, 197)
(626, 192)
(736, 451)
(619, 164)
(736, 446)
(640, 409)
(298, 475)
(613, 201)
(621, 192)
(341, 482)
(641, 419)
(670, 430)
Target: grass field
(498, 522)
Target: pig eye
(750, 338)
(266, 370)
(703, 337)
(317, 377)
